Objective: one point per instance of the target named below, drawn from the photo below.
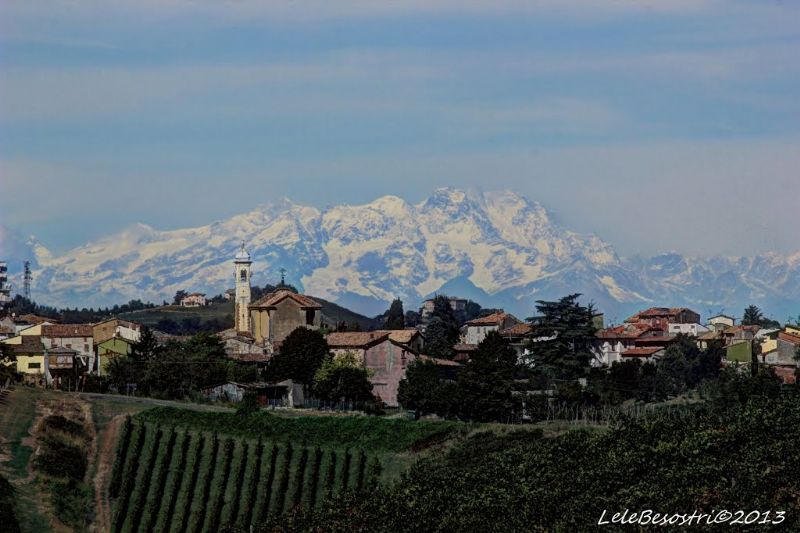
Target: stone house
(661, 317)
(277, 314)
(456, 304)
(477, 329)
(386, 359)
(116, 327)
(78, 337)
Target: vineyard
(169, 478)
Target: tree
(7, 363)
(418, 389)
(395, 317)
(342, 378)
(147, 347)
(486, 382)
(566, 335)
(440, 338)
(248, 405)
(180, 295)
(753, 316)
(300, 356)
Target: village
(67, 356)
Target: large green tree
(418, 390)
(486, 382)
(440, 338)
(300, 356)
(565, 337)
(342, 378)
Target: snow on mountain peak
(497, 245)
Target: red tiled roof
(788, 337)
(495, 319)
(355, 339)
(517, 330)
(273, 298)
(625, 331)
(31, 344)
(67, 330)
(403, 336)
(641, 351)
(438, 361)
(465, 347)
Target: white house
(687, 329)
(477, 329)
(196, 299)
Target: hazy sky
(660, 125)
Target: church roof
(274, 298)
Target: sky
(659, 125)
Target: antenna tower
(26, 287)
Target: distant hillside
(333, 314)
(220, 316)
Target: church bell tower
(242, 272)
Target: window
(34, 366)
(69, 346)
(243, 275)
(309, 317)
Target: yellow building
(29, 352)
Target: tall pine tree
(565, 335)
(395, 317)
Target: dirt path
(105, 463)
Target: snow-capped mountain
(498, 248)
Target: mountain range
(498, 248)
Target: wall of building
(387, 362)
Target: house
(115, 327)
(693, 329)
(29, 352)
(721, 321)
(613, 341)
(196, 299)
(463, 352)
(386, 359)
(518, 336)
(108, 349)
(229, 294)
(661, 317)
(643, 353)
(62, 367)
(477, 329)
(411, 337)
(5, 288)
(78, 337)
(7, 328)
(739, 352)
(456, 304)
(277, 314)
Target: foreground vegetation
(740, 458)
(372, 433)
(172, 474)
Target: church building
(270, 319)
